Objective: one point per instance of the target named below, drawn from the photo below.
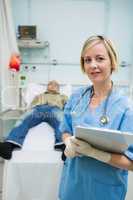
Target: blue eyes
(89, 60)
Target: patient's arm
(36, 101)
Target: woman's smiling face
(97, 63)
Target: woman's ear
(112, 69)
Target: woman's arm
(121, 161)
(116, 160)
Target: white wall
(66, 24)
(120, 30)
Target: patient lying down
(47, 107)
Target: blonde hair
(93, 40)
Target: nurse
(89, 173)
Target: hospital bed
(33, 173)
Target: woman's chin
(96, 80)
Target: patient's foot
(59, 146)
(6, 149)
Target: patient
(47, 107)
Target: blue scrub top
(85, 178)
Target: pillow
(32, 90)
(67, 90)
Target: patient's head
(53, 86)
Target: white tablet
(105, 139)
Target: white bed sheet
(33, 173)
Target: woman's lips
(95, 73)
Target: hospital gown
(85, 178)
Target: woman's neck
(102, 90)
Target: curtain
(8, 46)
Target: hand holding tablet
(105, 139)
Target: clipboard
(105, 139)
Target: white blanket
(33, 173)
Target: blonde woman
(89, 173)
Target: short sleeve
(127, 126)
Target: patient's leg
(19, 132)
(53, 116)
(42, 113)
(54, 119)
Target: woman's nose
(94, 65)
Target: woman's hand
(70, 147)
(84, 148)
